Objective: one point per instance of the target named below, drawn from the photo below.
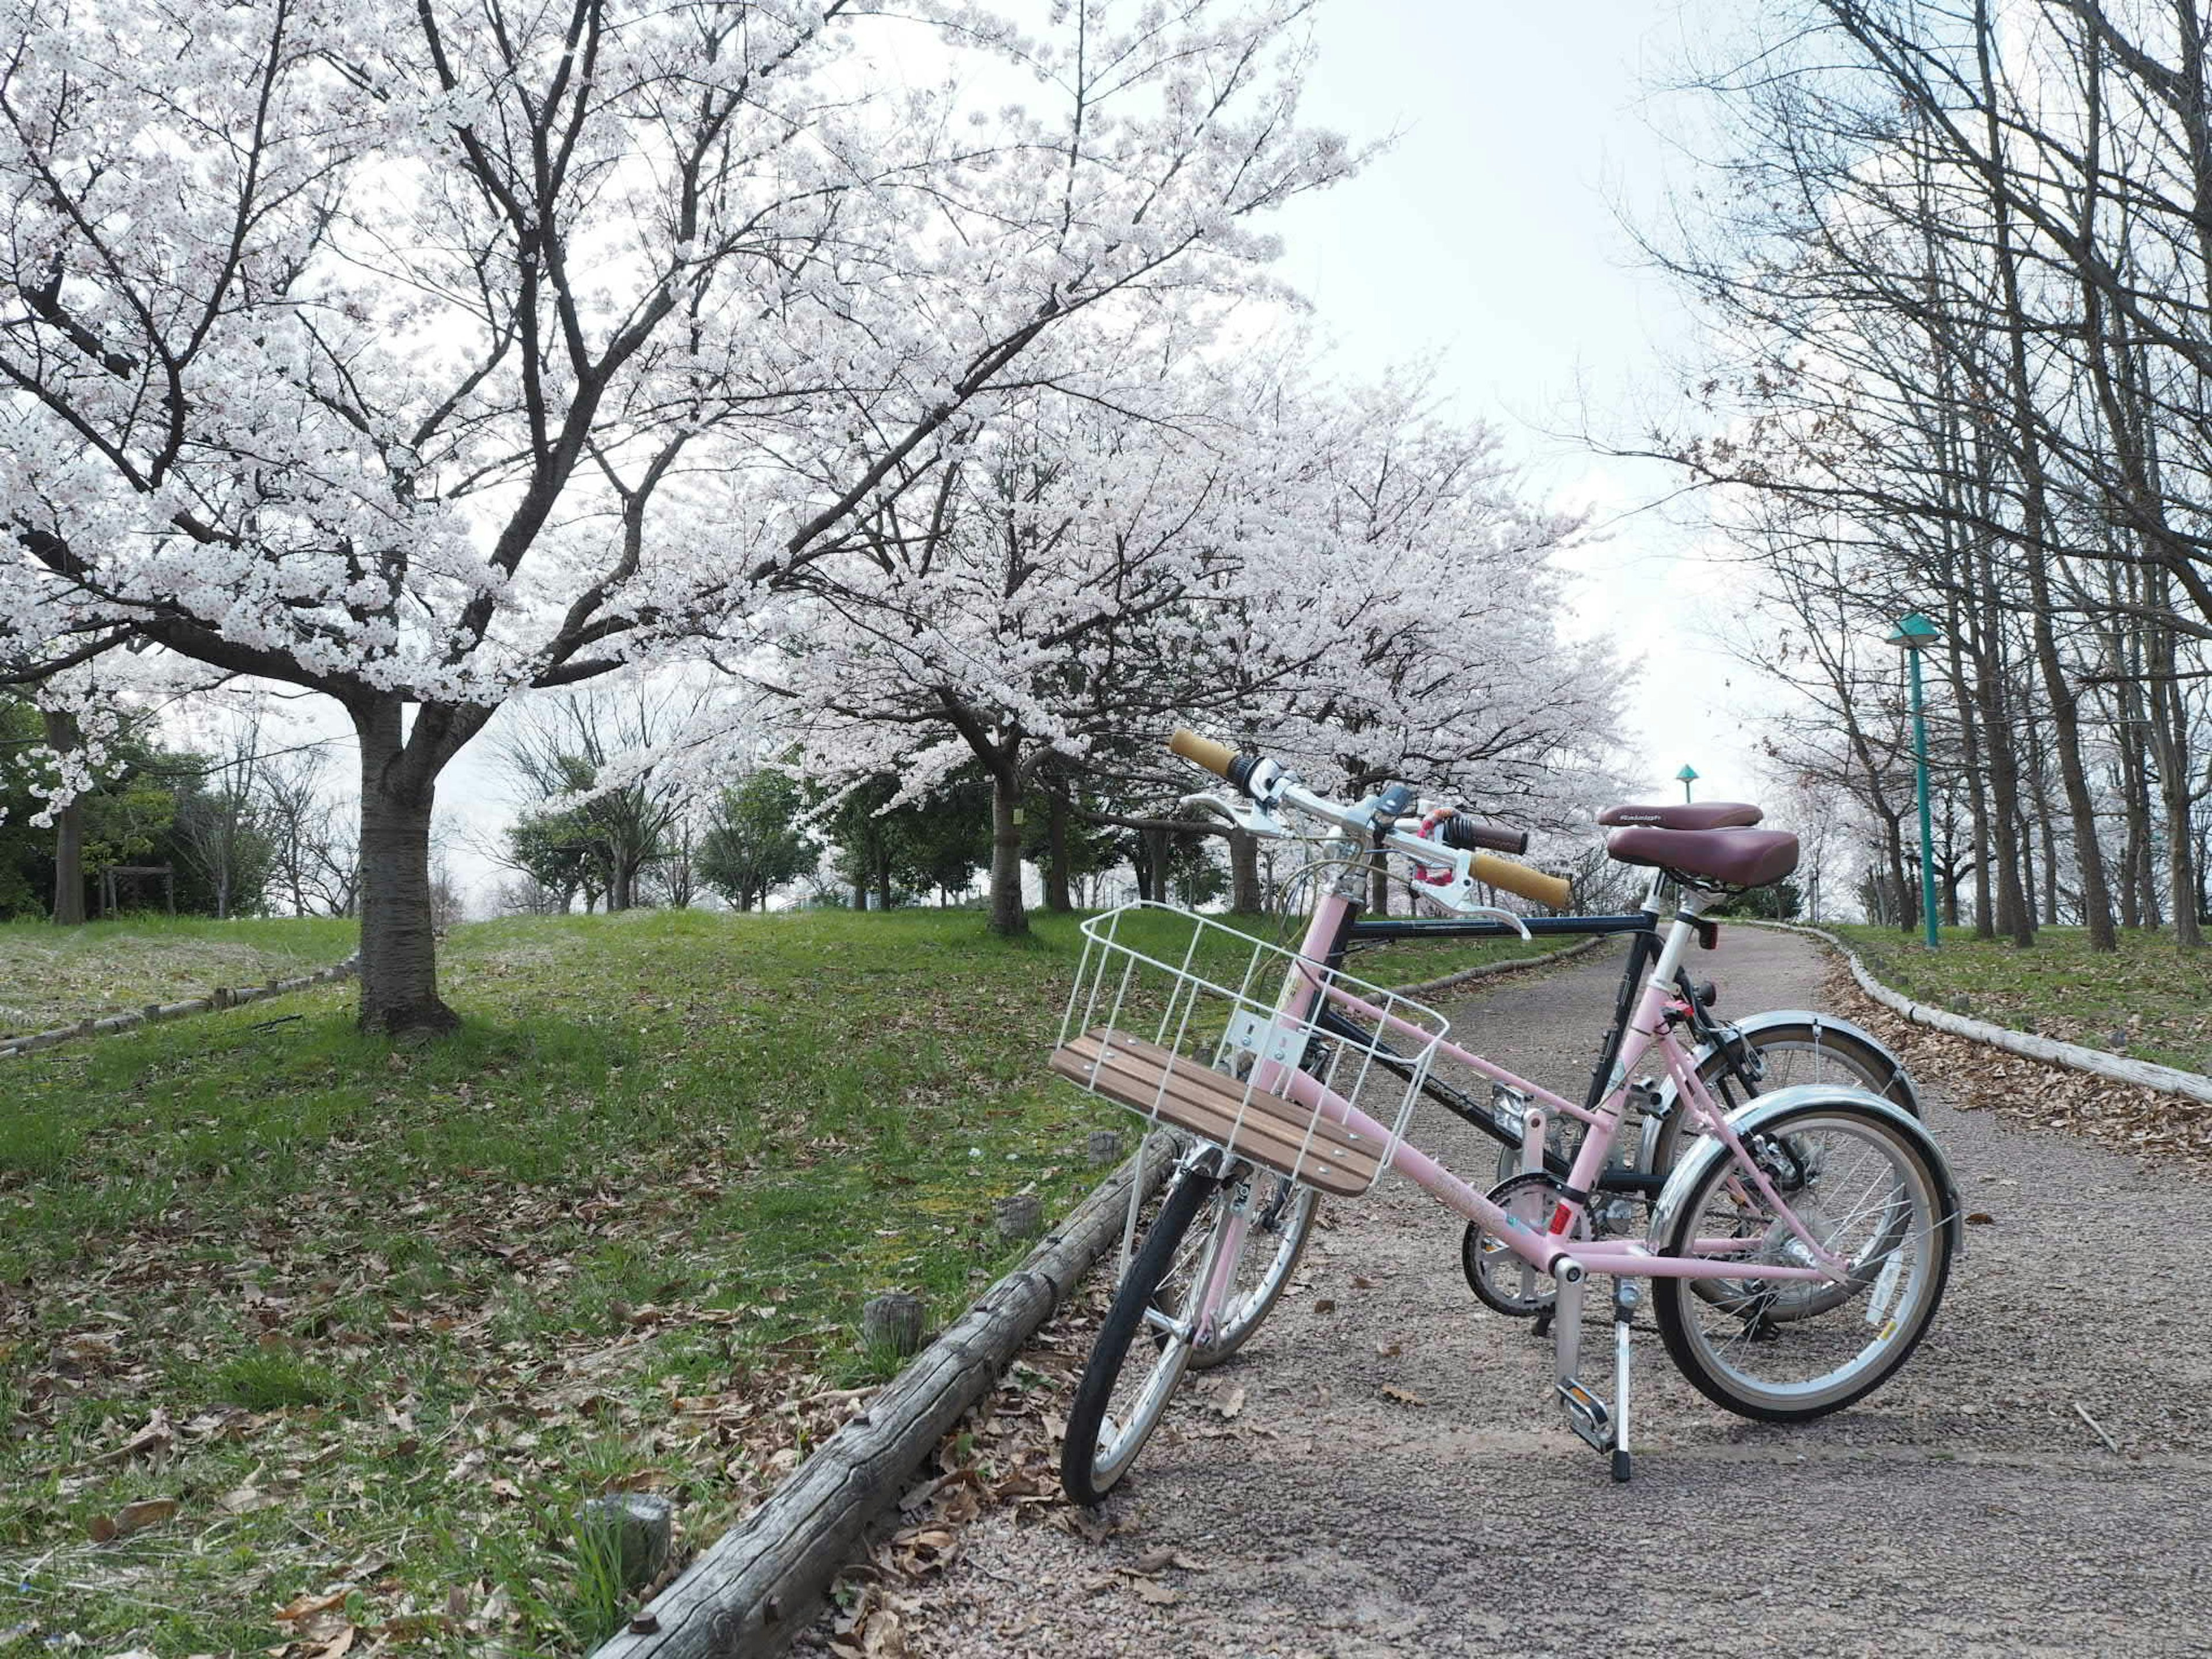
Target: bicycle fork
(1605, 1428)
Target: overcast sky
(1488, 237)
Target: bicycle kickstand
(1605, 1428)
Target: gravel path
(1966, 1507)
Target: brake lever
(1519, 927)
(1247, 815)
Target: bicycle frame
(1554, 1251)
(1645, 944)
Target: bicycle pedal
(1587, 1415)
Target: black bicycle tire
(1669, 1297)
(1125, 1318)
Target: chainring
(1501, 1280)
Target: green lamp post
(1688, 775)
(1914, 635)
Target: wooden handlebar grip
(1202, 752)
(1535, 884)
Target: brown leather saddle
(1704, 843)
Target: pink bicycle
(1796, 1253)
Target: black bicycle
(1734, 1060)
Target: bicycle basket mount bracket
(1196, 1026)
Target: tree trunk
(398, 951)
(882, 875)
(861, 892)
(1156, 862)
(1057, 898)
(68, 834)
(1008, 918)
(1978, 792)
(2034, 547)
(1245, 895)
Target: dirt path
(1966, 1507)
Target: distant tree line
(244, 827)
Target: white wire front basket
(1198, 1026)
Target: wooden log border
(153, 1013)
(2166, 1079)
(761, 1583)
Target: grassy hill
(374, 1319)
(2146, 999)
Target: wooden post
(893, 1319)
(1021, 1216)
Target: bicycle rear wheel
(1869, 1188)
(1787, 1055)
(1127, 1382)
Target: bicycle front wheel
(1280, 1215)
(1865, 1186)
(1140, 1356)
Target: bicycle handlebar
(1535, 884)
(1468, 834)
(1268, 784)
(1201, 752)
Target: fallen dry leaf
(132, 1517)
(1324, 1305)
(1981, 1219)
(1235, 1402)
(156, 1437)
(1362, 1282)
(1150, 1591)
(1389, 1350)
(1403, 1397)
(304, 1606)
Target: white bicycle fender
(1747, 1119)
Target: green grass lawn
(2148, 1001)
(50, 976)
(375, 1319)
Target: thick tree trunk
(882, 876)
(2015, 916)
(68, 834)
(1056, 895)
(1908, 902)
(1245, 897)
(2170, 730)
(861, 892)
(398, 951)
(1007, 916)
(1155, 861)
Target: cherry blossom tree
(1324, 569)
(1440, 605)
(421, 354)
